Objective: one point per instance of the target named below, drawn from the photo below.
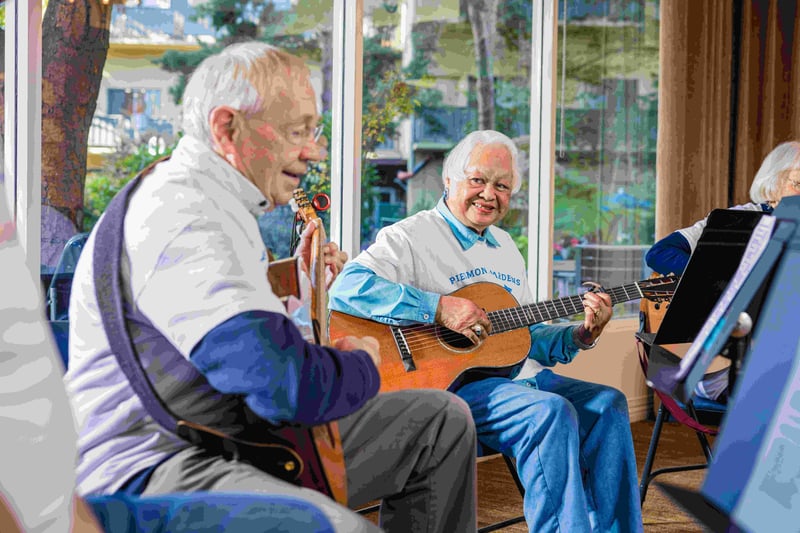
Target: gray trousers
(414, 450)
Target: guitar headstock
(659, 289)
(304, 207)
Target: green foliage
(235, 21)
(102, 186)
(514, 22)
(369, 178)
(522, 245)
(390, 99)
(318, 177)
(241, 20)
(577, 204)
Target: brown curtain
(707, 155)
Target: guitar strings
(422, 336)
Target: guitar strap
(286, 452)
(107, 267)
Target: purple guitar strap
(108, 289)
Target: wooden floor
(499, 499)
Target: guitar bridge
(402, 348)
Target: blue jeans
(573, 446)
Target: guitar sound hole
(454, 340)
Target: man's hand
(463, 316)
(597, 306)
(368, 344)
(333, 257)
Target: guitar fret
(507, 313)
(625, 289)
(566, 312)
(517, 321)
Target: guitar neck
(319, 291)
(527, 315)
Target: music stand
(711, 267)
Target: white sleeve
(38, 432)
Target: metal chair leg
(651, 453)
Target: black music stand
(752, 482)
(711, 267)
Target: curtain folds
(717, 120)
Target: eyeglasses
(300, 134)
(794, 183)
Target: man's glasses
(300, 134)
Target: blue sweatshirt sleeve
(670, 254)
(551, 344)
(263, 356)
(358, 291)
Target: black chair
(57, 298)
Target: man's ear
(222, 122)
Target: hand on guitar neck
(333, 257)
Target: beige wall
(614, 362)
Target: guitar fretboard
(527, 315)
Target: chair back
(57, 298)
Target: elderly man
(194, 273)
(571, 439)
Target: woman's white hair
(766, 185)
(455, 164)
(240, 76)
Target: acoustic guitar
(432, 356)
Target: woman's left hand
(333, 257)
(597, 306)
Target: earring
(229, 158)
(444, 194)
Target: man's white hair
(238, 76)
(455, 164)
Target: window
(422, 91)
(606, 126)
(423, 87)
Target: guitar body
(306, 456)
(432, 356)
(445, 360)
